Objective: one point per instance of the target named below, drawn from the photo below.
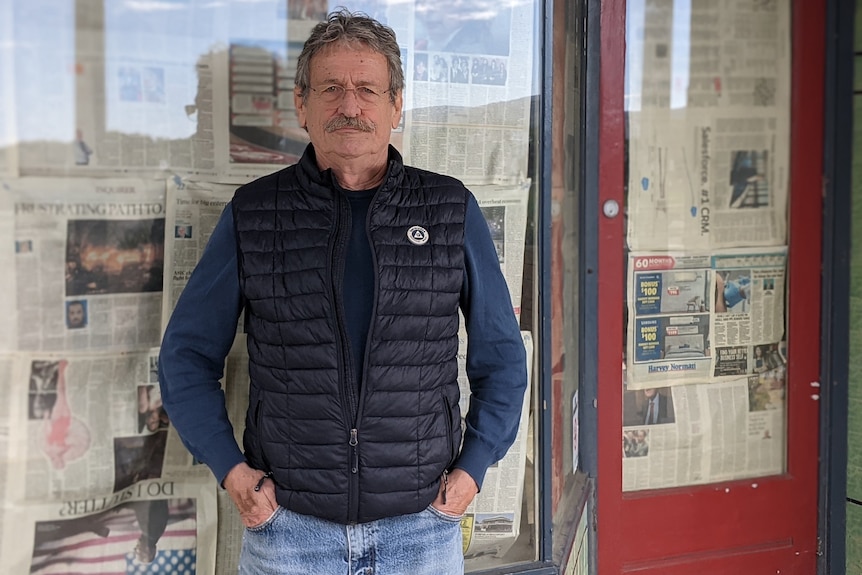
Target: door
(711, 121)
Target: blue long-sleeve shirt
(202, 328)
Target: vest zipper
(348, 393)
(354, 442)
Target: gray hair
(345, 26)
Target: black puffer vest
(334, 452)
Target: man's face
(650, 392)
(349, 67)
(76, 314)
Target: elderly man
(351, 268)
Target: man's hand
(255, 507)
(460, 491)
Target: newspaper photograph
(709, 132)
(192, 211)
(154, 526)
(89, 263)
(505, 209)
(704, 318)
(686, 435)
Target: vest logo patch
(417, 235)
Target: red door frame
(765, 525)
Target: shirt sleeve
(496, 358)
(197, 340)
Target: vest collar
(323, 183)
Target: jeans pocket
(444, 516)
(269, 521)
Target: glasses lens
(333, 94)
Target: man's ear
(299, 104)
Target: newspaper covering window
(192, 211)
(708, 112)
(221, 105)
(505, 210)
(708, 100)
(97, 473)
(89, 263)
(10, 249)
(707, 318)
(469, 83)
(7, 366)
(158, 142)
(492, 522)
(705, 433)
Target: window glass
(708, 122)
(125, 128)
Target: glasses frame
(336, 97)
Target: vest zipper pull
(262, 479)
(445, 484)
(354, 441)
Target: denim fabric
(425, 543)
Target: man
(76, 314)
(655, 407)
(351, 269)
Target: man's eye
(331, 90)
(367, 91)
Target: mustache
(353, 123)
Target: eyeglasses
(333, 93)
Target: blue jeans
(424, 543)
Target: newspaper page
(10, 251)
(88, 424)
(193, 209)
(154, 526)
(93, 484)
(89, 263)
(469, 82)
(686, 435)
(7, 366)
(492, 522)
(505, 209)
(236, 386)
(708, 102)
(704, 318)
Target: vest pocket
(450, 428)
(252, 440)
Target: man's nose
(349, 105)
